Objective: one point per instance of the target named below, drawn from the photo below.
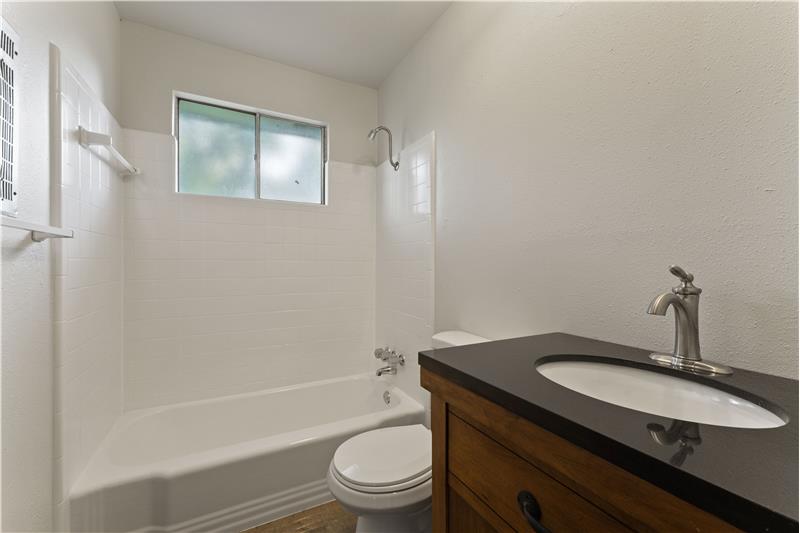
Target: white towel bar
(92, 138)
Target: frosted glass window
(235, 151)
(216, 150)
(292, 160)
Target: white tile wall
(224, 296)
(405, 258)
(87, 196)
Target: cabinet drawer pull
(533, 513)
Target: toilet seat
(405, 485)
(384, 460)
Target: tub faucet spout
(388, 369)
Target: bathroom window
(244, 153)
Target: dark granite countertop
(747, 477)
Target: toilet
(384, 476)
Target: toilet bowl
(384, 476)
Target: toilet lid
(386, 456)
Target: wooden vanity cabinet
(484, 456)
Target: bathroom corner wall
(88, 197)
(405, 259)
(584, 147)
(88, 34)
(225, 296)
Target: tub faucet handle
(395, 358)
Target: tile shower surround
(225, 296)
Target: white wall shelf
(39, 232)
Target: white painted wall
(582, 148)
(404, 260)
(224, 296)
(158, 62)
(89, 33)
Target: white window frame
(258, 112)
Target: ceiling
(359, 42)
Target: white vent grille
(9, 119)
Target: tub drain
(387, 397)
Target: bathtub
(229, 463)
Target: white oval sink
(659, 394)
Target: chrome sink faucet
(389, 356)
(684, 300)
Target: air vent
(9, 119)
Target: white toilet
(384, 475)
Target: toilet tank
(446, 339)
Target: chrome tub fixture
(391, 357)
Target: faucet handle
(686, 278)
(395, 358)
(681, 274)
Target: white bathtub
(229, 463)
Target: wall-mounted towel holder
(92, 138)
(39, 232)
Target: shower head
(371, 136)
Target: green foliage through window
(291, 160)
(219, 149)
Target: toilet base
(419, 522)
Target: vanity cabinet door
(463, 518)
(497, 476)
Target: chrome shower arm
(371, 136)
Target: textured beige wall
(582, 148)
